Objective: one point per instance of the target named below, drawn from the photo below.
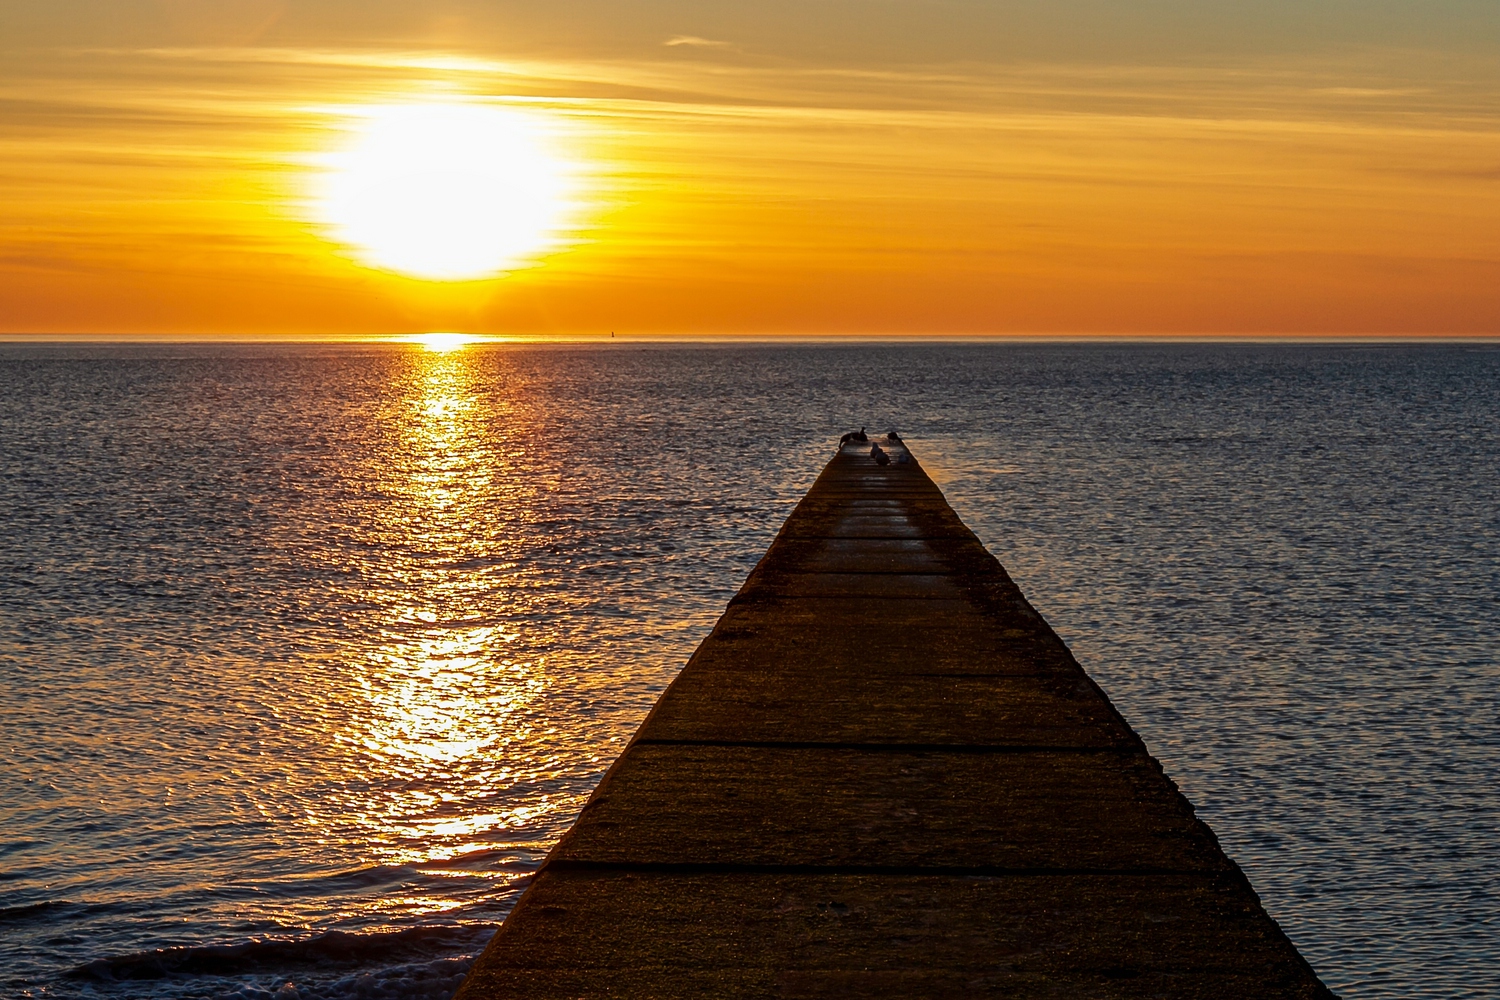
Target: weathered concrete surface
(883, 775)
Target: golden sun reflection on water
(442, 693)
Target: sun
(444, 191)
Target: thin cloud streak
(695, 41)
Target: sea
(308, 653)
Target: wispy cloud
(695, 40)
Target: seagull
(858, 435)
(880, 457)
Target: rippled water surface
(308, 654)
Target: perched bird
(858, 435)
(879, 455)
(893, 436)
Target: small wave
(522, 860)
(332, 950)
(435, 980)
(17, 846)
(30, 910)
(518, 863)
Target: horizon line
(479, 339)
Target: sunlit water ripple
(307, 654)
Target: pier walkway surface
(883, 775)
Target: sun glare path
(443, 342)
(444, 192)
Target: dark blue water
(308, 654)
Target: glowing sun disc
(446, 192)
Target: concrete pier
(883, 775)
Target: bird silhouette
(858, 435)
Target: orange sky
(155, 175)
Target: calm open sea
(308, 654)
